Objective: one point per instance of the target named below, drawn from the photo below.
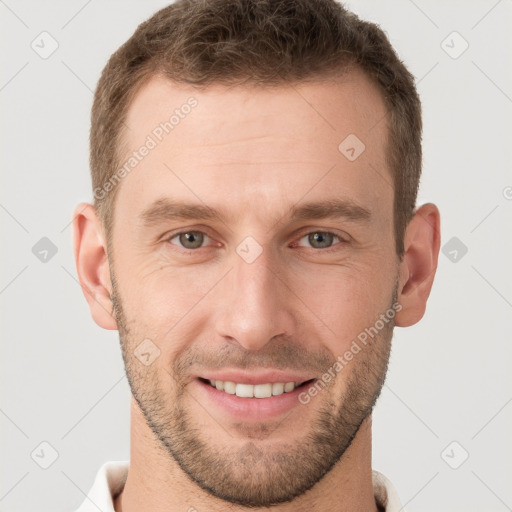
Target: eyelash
(334, 247)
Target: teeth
(289, 386)
(245, 390)
(278, 388)
(254, 391)
(262, 390)
(230, 387)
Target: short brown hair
(263, 42)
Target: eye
(189, 239)
(320, 239)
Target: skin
(254, 153)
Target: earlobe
(92, 264)
(419, 264)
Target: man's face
(268, 293)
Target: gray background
(62, 376)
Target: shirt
(111, 477)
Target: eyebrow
(166, 210)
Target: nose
(256, 304)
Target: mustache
(287, 355)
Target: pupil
(321, 239)
(191, 240)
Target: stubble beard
(253, 473)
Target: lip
(235, 408)
(260, 377)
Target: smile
(255, 390)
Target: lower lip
(251, 409)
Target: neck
(156, 483)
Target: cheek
(178, 289)
(163, 300)
(347, 298)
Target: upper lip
(256, 377)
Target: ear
(419, 263)
(92, 264)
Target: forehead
(350, 103)
(255, 146)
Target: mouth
(252, 397)
(263, 390)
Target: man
(254, 238)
